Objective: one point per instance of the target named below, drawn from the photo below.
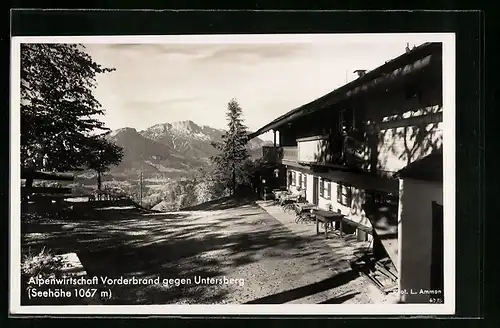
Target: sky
(165, 82)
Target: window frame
(344, 191)
(325, 191)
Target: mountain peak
(125, 130)
(186, 125)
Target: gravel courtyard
(228, 238)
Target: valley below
(164, 167)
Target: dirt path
(267, 262)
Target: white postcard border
(448, 40)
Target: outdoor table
(303, 209)
(328, 217)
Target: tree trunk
(99, 180)
(234, 180)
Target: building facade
(347, 147)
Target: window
(344, 194)
(325, 188)
(294, 176)
(302, 180)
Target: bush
(31, 217)
(78, 189)
(43, 264)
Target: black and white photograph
(233, 174)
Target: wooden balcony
(318, 150)
(330, 151)
(290, 154)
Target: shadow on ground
(314, 288)
(233, 238)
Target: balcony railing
(290, 153)
(330, 150)
(320, 150)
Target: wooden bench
(362, 231)
(30, 175)
(358, 226)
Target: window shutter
(321, 186)
(339, 193)
(305, 181)
(349, 196)
(329, 190)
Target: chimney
(360, 72)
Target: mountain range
(170, 149)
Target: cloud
(239, 52)
(158, 104)
(207, 53)
(160, 49)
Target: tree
(230, 163)
(101, 155)
(58, 108)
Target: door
(315, 191)
(437, 272)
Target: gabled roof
(429, 168)
(353, 87)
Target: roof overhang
(429, 168)
(408, 63)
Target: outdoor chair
(304, 215)
(288, 203)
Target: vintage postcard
(301, 174)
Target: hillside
(141, 153)
(167, 155)
(168, 150)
